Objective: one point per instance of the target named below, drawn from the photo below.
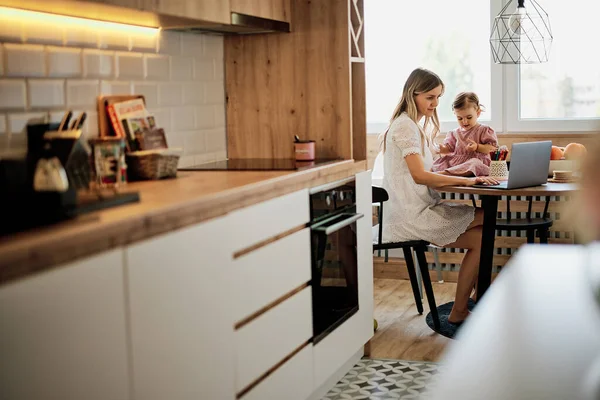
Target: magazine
(135, 120)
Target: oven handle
(327, 229)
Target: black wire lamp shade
(522, 37)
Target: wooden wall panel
(359, 112)
(298, 83)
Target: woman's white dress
(416, 212)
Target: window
(564, 93)
(452, 41)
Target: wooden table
(489, 203)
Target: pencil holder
(499, 169)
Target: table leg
(488, 237)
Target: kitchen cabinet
(181, 319)
(217, 11)
(275, 91)
(63, 333)
(279, 10)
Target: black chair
(380, 196)
(529, 225)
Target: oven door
(334, 272)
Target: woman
(415, 210)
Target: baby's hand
(472, 146)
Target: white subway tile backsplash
(113, 40)
(194, 142)
(204, 70)
(144, 42)
(98, 63)
(182, 68)
(175, 72)
(18, 122)
(162, 116)
(205, 117)
(114, 87)
(215, 93)
(46, 93)
(57, 116)
(149, 90)
(34, 32)
(219, 70)
(13, 94)
(169, 94)
(80, 36)
(182, 118)
(186, 161)
(64, 62)
(215, 140)
(192, 45)
(82, 93)
(90, 127)
(11, 30)
(193, 94)
(25, 60)
(220, 115)
(157, 66)
(170, 43)
(129, 65)
(213, 46)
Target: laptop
(529, 163)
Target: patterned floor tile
(373, 379)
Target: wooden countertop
(164, 206)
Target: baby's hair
(465, 99)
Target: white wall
(49, 65)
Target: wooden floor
(403, 333)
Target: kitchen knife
(65, 121)
(78, 122)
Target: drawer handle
(334, 224)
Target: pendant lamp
(521, 35)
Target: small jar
(304, 150)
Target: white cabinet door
(181, 319)
(62, 333)
(339, 346)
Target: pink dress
(462, 161)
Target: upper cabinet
(206, 10)
(221, 16)
(279, 10)
(309, 83)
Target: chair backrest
(379, 194)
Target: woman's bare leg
(469, 268)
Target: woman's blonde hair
(419, 81)
(466, 99)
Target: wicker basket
(152, 164)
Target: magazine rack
(104, 125)
(157, 162)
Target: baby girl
(466, 150)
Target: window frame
(505, 90)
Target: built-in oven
(334, 255)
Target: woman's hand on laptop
(482, 180)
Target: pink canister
(304, 149)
